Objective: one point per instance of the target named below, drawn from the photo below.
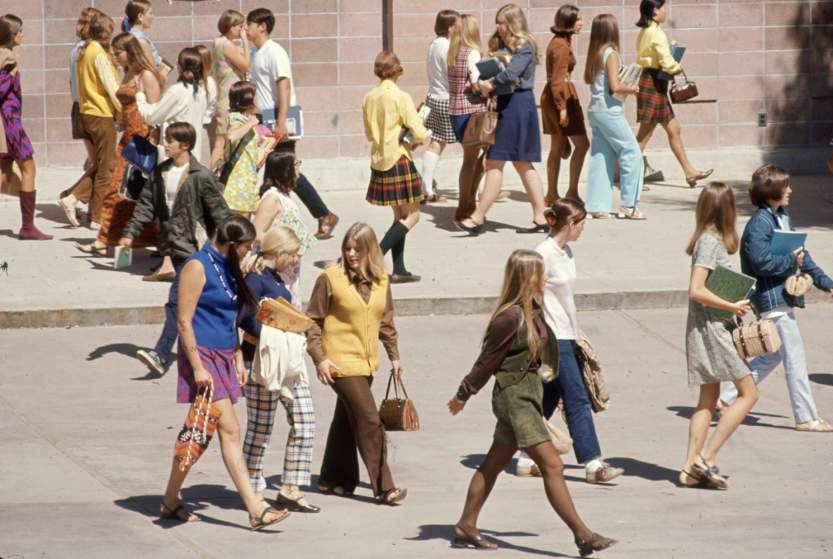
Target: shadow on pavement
(274, 483)
(822, 378)
(645, 470)
(752, 419)
(445, 532)
(473, 461)
(196, 498)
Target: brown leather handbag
(480, 130)
(398, 414)
(682, 92)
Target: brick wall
(747, 57)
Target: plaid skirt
(439, 122)
(652, 103)
(399, 185)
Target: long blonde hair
(604, 32)
(465, 34)
(278, 243)
(371, 264)
(516, 22)
(715, 212)
(523, 281)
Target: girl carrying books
(242, 150)
(770, 191)
(613, 139)
(710, 353)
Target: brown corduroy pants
(92, 188)
(356, 424)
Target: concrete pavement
(87, 440)
(621, 263)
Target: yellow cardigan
(386, 110)
(653, 50)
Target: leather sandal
(296, 505)
(92, 249)
(814, 426)
(157, 276)
(393, 496)
(178, 512)
(261, 522)
(463, 540)
(711, 479)
(698, 481)
(597, 542)
(692, 180)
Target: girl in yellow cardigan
(352, 310)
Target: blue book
(785, 242)
(489, 68)
(294, 121)
(677, 53)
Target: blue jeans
(612, 139)
(165, 343)
(795, 365)
(570, 386)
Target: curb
(132, 316)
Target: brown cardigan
(560, 63)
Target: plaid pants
(261, 408)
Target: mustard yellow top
(351, 327)
(97, 83)
(653, 50)
(386, 110)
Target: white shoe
(68, 205)
(527, 468)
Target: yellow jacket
(653, 50)
(387, 109)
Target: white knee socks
(429, 165)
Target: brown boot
(28, 231)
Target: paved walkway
(621, 263)
(87, 442)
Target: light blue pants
(612, 139)
(795, 365)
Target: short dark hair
(646, 11)
(10, 24)
(387, 65)
(565, 19)
(242, 96)
(183, 133)
(445, 21)
(262, 16)
(768, 183)
(229, 19)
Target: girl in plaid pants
(278, 255)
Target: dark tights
(552, 470)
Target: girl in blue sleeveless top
(211, 289)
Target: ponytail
(190, 68)
(236, 230)
(563, 212)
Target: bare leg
(698, 428)
(218, 151)
(554, 166)
(643, 135)
(494, 178)
(732, 416)
(552, 470)
(534, 189)
(675, 140)
(167, 266)
(408, 214)
(581, 145)
(481, 485)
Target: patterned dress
(116, 210)
(18, 145)
(226, 77)
(241, 192)
(290, 216)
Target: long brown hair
(237, 230)
(603, 33)
(207, 64)
(465, 34)
(371, 265)
(523, 281)
(189, 63)
(82, 26)
(136, 57)
(101, 31)
(716, 212)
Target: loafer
(473, 230)
(152, 360)
(407, 277)
(156, 276)
(326, 225)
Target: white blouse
(437, 67)
(559, 300)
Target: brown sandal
(178, 512)
(464, 540)
(393, 496)
(259, 523)
(597, 542)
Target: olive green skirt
(516, 403)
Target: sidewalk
(621, 263)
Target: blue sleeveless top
(140, 34)
(215, 317)
(600, 97)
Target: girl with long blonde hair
(464, 101)
(710, 353)
(516, 345)
(518, 134)
(265, 273)
(352, 311)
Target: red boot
(28, 231)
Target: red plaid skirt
(652, 103)
(399, 185)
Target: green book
(123, 258)
(730, 286)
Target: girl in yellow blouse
(652, 104)
(394, 181)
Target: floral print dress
(241, 192)
(226, 77)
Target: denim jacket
(770, 271)
(519, 74)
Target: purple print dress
(18, 145)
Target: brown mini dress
(559, 92)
